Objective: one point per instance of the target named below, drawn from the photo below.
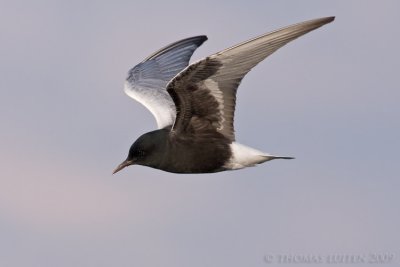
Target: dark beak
(123, 165)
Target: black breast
(196, 153)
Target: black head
(144, 151)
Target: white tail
(244, 156)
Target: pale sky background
(330, 98)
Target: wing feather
(146, 82)
(205, 92)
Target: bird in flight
(194, 104)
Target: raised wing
(146, 82)
(205, 92)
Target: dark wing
(147, 81)
(205, 92)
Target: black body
(164, 150)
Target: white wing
(146, 82)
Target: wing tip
(324, 20)
(328, 19)
(201, 39)
(196, 40)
